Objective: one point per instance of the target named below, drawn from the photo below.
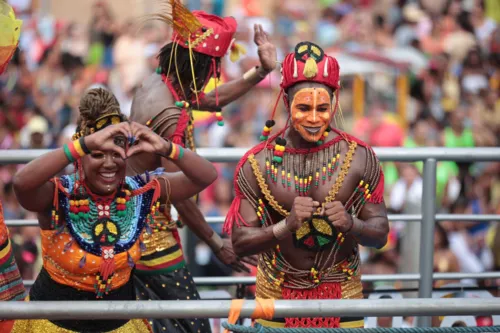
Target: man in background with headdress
(308, 196)
(11, 284)
(164, 103)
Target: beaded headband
(102, 122)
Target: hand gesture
(266, 50)
(339, 217)
(302, 210)
(111, 138)
(228, 257)
(144, 140)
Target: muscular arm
(187, 209)
(251, 239)
(194, 219)
(231, 91)
(372, 226)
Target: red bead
(278, 153)
(120, 207)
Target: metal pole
(427, 235)
(392, 217)
(85, 310)
(249, 280)
(20, 156)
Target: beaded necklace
(318, 232)
(105, 226)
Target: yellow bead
(368, 196)
(72, 202)
(81, 202)
(266, 129)
(366, 186)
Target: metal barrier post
(427, 235)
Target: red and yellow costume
(302, 171)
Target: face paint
(311, 113)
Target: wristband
(75, 150)
(85, 149)
(280, 230)
(176, 153)
(252, 73)
(215, 242)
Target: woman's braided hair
(95, 104)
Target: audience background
(437, 62)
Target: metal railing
(74, 310)
(430, 157)
(250, 280)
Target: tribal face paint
(311, 113)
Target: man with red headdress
(308, 196)
(164, 103)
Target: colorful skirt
(350, 289)
(161, 274)
(46, 289)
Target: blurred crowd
(448, 51)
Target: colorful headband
(102, 122)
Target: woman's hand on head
(147, 141)
(112, 138)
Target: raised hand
(144, 140)
(339, 217)
(266, 50)
(112, 138)
(302, 210)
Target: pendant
(315, 234)
(106, 233)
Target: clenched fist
(339, 217)
(302, 210)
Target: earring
(323, 138)
(267, 130)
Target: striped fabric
(163, 253)
(11, 285)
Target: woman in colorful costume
(11, 284)
(307, 196)
(91, 221)
(164, 103)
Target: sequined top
(62, 262)
(72, 258)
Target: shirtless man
(164, 102)
(308, 196)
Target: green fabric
(493, 10)
(96, 54)
(444, 170)
(262, 329)
(466, 140)
(391, 174)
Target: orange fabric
(264, 309)
(234, 312)
(63, 266)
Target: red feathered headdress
(214, 37)
(308, 63)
